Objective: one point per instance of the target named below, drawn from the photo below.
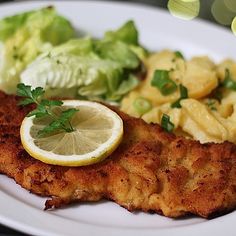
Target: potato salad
(195, 98)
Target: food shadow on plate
(135, 213)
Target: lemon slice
(98, 132)
(233, 26)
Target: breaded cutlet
(151, 170)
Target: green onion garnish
(211, 104)
(179, 54)
(162, 81)
(183, 95)
(217, 94)
(166, 124)
(228, 81)
(142, 105)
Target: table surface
(205, 13)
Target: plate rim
(147, 6)
(183, 230)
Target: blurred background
(219, 12)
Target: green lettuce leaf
(89, 77)
(118, 51)
(9, 25)
(25, 37)
(93, 77)
(53, 27)
(127, 34)
(98, 69)
(78, 47)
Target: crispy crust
(151, 170)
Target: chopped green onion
(211, 104)
(166, 124)
(179, 54)
(183, 91)
(162, 81)
(176, 104)
(142, 105)
(228, 81)
(217, 94)
(183, 95)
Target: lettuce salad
(39, 48)
(25, 36)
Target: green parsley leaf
(228, 81)
(67, 115)
(37, 92)
(31, 96)
(166, 124)
(60, 121)
(24, 90)
(39, 112)
(162, 81)
(26, 101)
(52, 127)
(51, 103)
(61, 124)
(183, 95)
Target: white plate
(24, 211)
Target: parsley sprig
(46, 109)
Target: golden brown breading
(151, 170)
(10, 112)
